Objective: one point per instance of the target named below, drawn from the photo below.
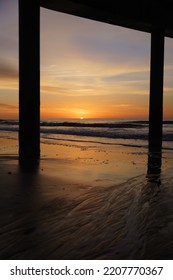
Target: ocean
(126, 132)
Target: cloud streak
(8, 107)
(8, 72)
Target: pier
(147, 16)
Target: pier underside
(148, 16)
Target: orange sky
(88, 69)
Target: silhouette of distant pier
(149, 16)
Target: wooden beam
(29, 80)
(156, 90)
(138, 15)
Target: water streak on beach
(54, 219)
(91, 196)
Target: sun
(81, 118)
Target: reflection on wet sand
(154, 163)
(47, 217)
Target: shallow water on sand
(130, 221)
(44, 218)
(85, 202)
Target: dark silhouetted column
(156, 90)
(29, 80)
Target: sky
(88, 69)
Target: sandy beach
(85, 202)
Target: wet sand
(81, 203)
